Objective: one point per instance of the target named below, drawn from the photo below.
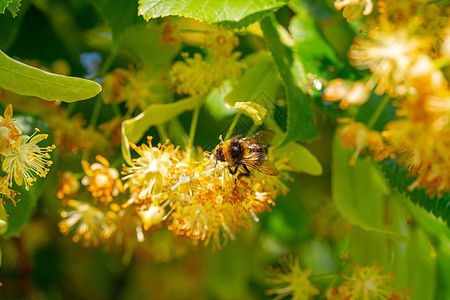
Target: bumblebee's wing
(260, 162)
(263, 137)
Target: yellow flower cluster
(22, 158)
(290, 280)
(354, 9)
(366, 283)
(98, 218)
(71, 135)
(405, 56)
(197, 75)
(199, 199)
(138, 88)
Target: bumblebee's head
(218, 152)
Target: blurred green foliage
(334, 215)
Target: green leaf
(12, 5)
(215, 101)
(118, 14)
(398, 177)
(215, 11)
(133, 129)
(358, 191)
(430, 223)
(19, 215)
(10, 27)
(443, 288)
(3, 220)
(144, 40)
(309, 47)
(300, 125)
(420, 266)
(4, 4)
(368, 247)
(25, 80)
(259, 83)
(300, 158)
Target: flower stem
(162, 133)
(193, 128)
(233, 124)
(96, 112)
(116, 109)
(376, 115)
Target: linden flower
(388, 53)
(328, 223)
(346, 92)
(354, 9)
(138, 88)
(197, 76)
(151, 216)
(146, 176)
(26, 158)
(89, 224)
(365, 283)
(424, 151)
(290, 280)
(69, 185)
(6, 191)
(193, 77)
(445, 46)
(209, 204)
(128, 227)
(221, 42)
(356, 134)
(102, 181)
(9, 131)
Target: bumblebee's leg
(244, 174)
(231, 171)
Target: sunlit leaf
(133, 129)
(300, 158)
(259, 83)
(215, 11)
(300, 125)
(30, 81)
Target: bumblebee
(247, 152)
